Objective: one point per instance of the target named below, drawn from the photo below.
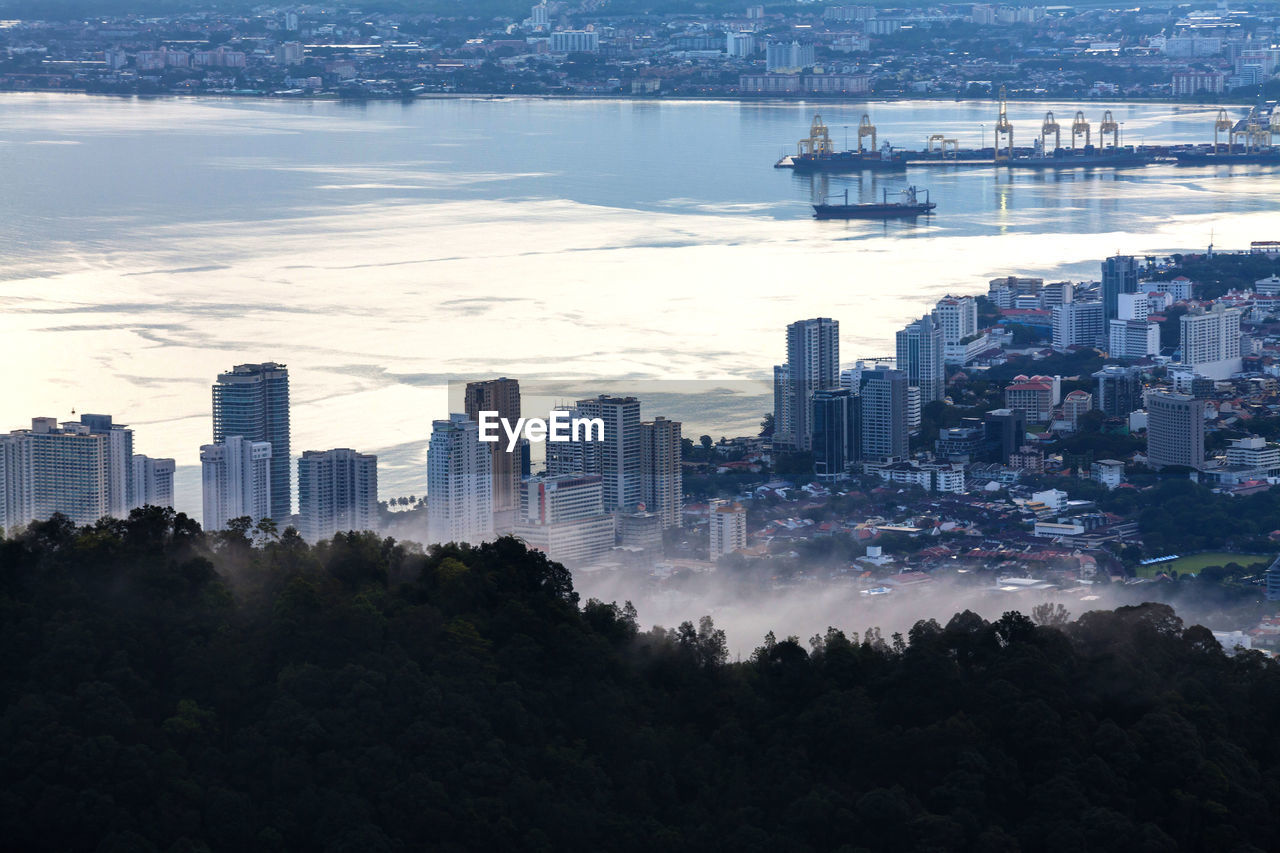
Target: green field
(1195, 562)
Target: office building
(1057, 293)
(459, 482)
(728, 528)
(661, 471)
(252, 401)
(640, 531)
(957, 317)
(835, 432)
(1175, 430)
(235, 476)
(564, 517)
(1211, 341)
(1119, 390)
(1007, 430)
(1133, 339)
(1078, 324)
(961, 444)
(920, 347)
(813, 363)
(1119, 275)
(1133, 306)
(501, 396)
(152, 481)
(883, 415)
(337, 493)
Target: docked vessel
(816, 153)
(1090, 157)
(908, 208)
(1248, 140)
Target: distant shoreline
(624, 96)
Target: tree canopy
(171, 690)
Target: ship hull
(872, 211)
(1103, 161)
(1195, 158)
(839, 163)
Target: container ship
(815, 153)
(908, 208)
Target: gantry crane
(866, 128)
(1223, 122)
(1254, 134)
(1050, 126)
(1078, 127)
(943, 142)
(819, 140)
(1004, 128)
(1110, 126)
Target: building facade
(920, 356)
(252, 401)
(1175, 430)
(235, 477)
(661, 470)
(337, 493)
(459, 482)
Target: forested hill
(171, 691)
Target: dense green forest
(170, 690)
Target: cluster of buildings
(802, 50)
(609, 490)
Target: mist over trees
(170, 690)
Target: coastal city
(625, 48)
(1038, 437)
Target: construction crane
(1109, 126)
(1004, 128)
(943, 142)
(866, 128)
(1078, 127)
(1223, 122)
(1050, 126)
(819, 140)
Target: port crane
(1110, 126)
(1004, 128)
(943, 142)
(1050, 126)
(819, 139)
(1222, 123)
(866, 128)
(1080, 127)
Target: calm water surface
(382, 249)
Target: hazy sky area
(382, 249)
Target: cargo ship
(909, 208)
(816, 153)
(1089, 157)
(1264, 156)
(1248, 141)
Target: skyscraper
(252, 401)
(459, 482)
(920, 357)
(120, 497)
(1175, 430)
(337, 492)
(1119, 275)
(235, 477)
(813, 363)
(1211, 341)
(501, 396)
(1119, 390)
(1078, 324)
(884, 414)
(836, 416)
(50, 469)
(663, 476)
(619, 461)
(152, 481)
(1007, 430)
